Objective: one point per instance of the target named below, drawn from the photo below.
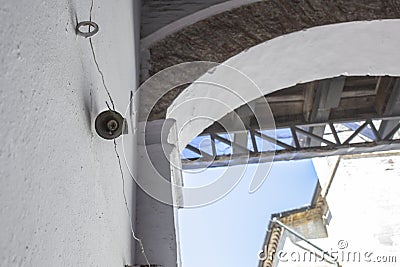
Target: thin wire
(90, 14)
(127, 208)
(115, 145)
(108, 105)
(95, 61)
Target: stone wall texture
(224, 35)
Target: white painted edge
(175, 26)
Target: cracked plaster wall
(61, 200)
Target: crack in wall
(97, 64)
(127, 208)
(115, 144)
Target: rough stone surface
(226, 34)
(159, 13)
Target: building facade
(354, 221)
(69, 197)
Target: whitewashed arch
(350, 49)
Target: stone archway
(224, 35)
(348, 49)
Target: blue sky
(231, 231)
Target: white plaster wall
(155, 213)
(61, 200)
(355, 48)
(364, 201)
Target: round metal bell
(109, 124)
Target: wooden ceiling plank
(327, 96)
(384, 88)
(309, 93)
(284, 98)
(392, 109)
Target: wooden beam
(284, 98)
(286, 108)
(384, 88)
(392, 109)
(327, 97)
(309, 93)
(358, 93)
(360, 81)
